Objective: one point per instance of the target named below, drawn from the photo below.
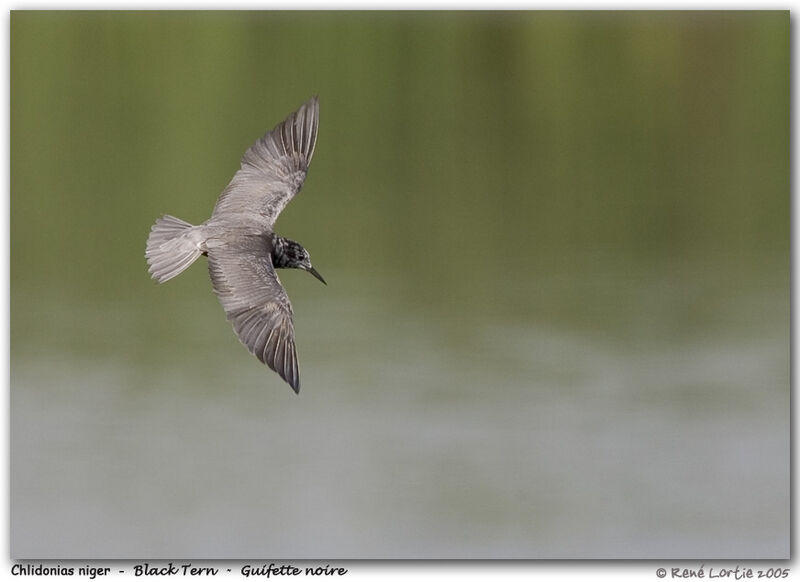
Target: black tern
(242, 248)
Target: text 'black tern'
(243, 250)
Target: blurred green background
(557, 319)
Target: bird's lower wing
(256, 303)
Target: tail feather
(171, 247)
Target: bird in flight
(242, 248)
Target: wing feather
(273, 169)
(256, 303)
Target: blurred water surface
(557, 319)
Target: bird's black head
(289, 254)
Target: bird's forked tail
(173, 245)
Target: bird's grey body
(242, 248)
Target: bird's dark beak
(313, 271)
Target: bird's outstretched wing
(273, 169)
(255, 302)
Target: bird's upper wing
(255, 302)
(273, 169)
